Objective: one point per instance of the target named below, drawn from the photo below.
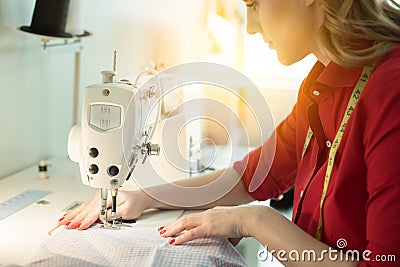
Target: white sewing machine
(118, 121)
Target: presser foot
(115, 224)
(111, 226)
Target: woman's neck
(324, 59)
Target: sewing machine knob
(93, 169)
(113, 170)
(153, 149)
(93, 152)
(108, 76)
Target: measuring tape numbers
(355, 96)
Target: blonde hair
(351, 26)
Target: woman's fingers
(88, 220)
(81, 219)
(221, 221)
(187, 228)
(83, 216)
(72, 214)
(186, 222)
(76, 221)
(188, 225)
(130, 205)
(187, 236)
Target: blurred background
(37, 102)
(37, 84)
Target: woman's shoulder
(385, 79)
(389, 66)
(381, 96)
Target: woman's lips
(269, 42)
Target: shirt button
(301, 193)
(316, 93)
(328, 144)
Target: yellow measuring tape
(332, 153)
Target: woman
(338, 146)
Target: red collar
(330, 77)
(335, 75)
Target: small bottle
(43, 170)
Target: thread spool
(57, 18)
(43, 170)
(49, 18)
(74, 24)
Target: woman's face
(288, 26)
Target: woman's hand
(130, 205)
(230, 222)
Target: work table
(23, 232)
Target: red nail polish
(172, 241)
(68, 223)
(61, 219)
(79, 225)
(65, 214)
(163, 231)
(160, 228)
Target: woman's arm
(290, 244)
(130, 205)
(218, 182)
(286, 241)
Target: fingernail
(65, 214)
(68, 223)
(61, 219)
(163, 231)
(172, 241)
(78, 226)
(160, 228)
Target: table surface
(23, 232)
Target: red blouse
(362, 204)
